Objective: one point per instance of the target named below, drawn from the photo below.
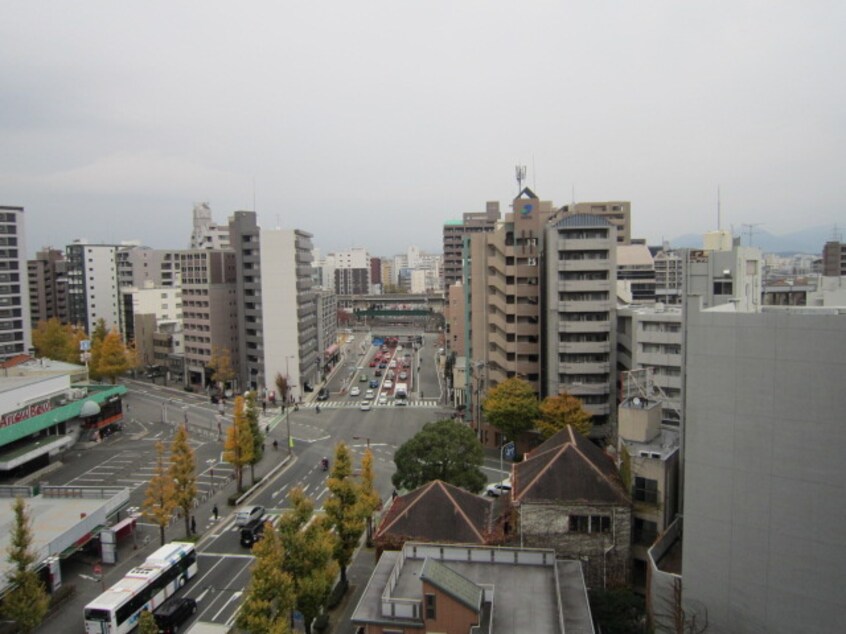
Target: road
(128, 458)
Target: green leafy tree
(183, 468)
(113, 359)
(314, 568)
(160, 499)
(556, 412)
(269, 597)
(238, 447)
(343, 508)
(147, 623)
(368, 496)
(511, 407)
(443, 450)
(27, 602)
(252, 415)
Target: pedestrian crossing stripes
(355, 403)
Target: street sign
(509, 450)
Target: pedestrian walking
(214, 510)
(193, 525)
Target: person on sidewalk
(214, 510)
(193, 525)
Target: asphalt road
(127, 459)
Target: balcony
(594, 367)
(585, 346)
(580, 286)
(583, 326)
(586, 244)
(586, 306)
(583, 265)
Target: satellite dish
(636, 401)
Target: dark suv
(173, 613)
(323, 394)
(252, 532)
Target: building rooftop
(634, 255)
(551, 592)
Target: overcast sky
(372, 123)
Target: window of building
(430, 606)
(645, 490)
(589, 524)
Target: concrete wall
(765, 478)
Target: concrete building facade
(580, 313)
(764, 494)
(93, 285)
(834, 259)
(15, 322)
(209, 311)
(48, 286)
(454, 233)
(206, 234)
(617, 213)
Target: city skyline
(359, 123)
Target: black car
(173, 613)
(323, 394)
(252, 532)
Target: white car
(498, 488)
(403, 376)
(389, 384)
(383, 399)
(355, 391)
(365, 406)
(393, 363)
(369, 394)
(247, 514)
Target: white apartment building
(15, 323)
(93, 285)
(162, 301)
(288, 310)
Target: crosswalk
(354, 403)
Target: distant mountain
(810, 240)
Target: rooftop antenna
(750, 230)
(520, 173)
(836, 234)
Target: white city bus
(146, 587)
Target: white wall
(101, 286)
(279, 307)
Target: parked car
(252, 532)
(247, 514)
(355, 391)
(498, 488)
(173, 613)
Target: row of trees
(173, 484)
(513, 408)
(109, 355)
(297, 563)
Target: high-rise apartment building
(48, 286)
(618, 213)
(209, 307)
(327, 329)
(138, 265)
(15, 325)
(580, 293)
(352, 271)
(454, 233)
(277, 320)
(93, 285)
(206, 234)
(834, 259)
(504, 297)
(635, 273)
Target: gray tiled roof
(452, 583)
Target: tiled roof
(438, 511)
(447, 580)
(582, 220)
(16, 360)
(568, 467)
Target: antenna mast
(750, 230)
(520, 173)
